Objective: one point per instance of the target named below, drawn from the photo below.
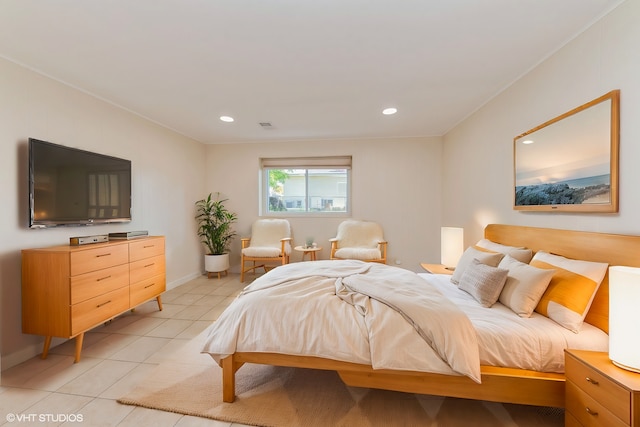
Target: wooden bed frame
(498, 384)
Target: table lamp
(624, 317)
(451, 246)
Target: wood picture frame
(570, 163)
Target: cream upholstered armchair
(361, 240)
(270, 242)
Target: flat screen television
(68, 186)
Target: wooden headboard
(614, 249)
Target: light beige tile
(169, 311)
(141, 326)
(214, 313)
(108, 346)
(17, 400)
(99, 378)
(196, 328)
(187, 299)
(170, 328)
(18, 375)
(61, 373)
(54, 408)
(101, 413)
(129, 381)
(69, 347)
(191, 312)
(141, 349)
(210, 300)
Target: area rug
(190, 383)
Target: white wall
(394, 182)
(167, 179)
(478, 154)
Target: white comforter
(341, 310)
(323, 308)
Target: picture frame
(570, 163)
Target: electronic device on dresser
(69, 186)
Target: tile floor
(115, 357)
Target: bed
(494, 383)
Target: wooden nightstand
(598, 393)
(436, 268)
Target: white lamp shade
(624, 317)
(451, 245)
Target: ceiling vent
(266, 125)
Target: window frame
(306, 164)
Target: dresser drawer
(601, 388)
(146, 289)
(570, 420)
(146, 268)
(84, 261)
(94, 311)
(588, 411)
(146, 248)
(88, 285)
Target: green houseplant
(215, 228)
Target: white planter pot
(216, 263)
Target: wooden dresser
(598, 393)
(68, 290)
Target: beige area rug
(191, 383)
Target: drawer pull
(592, 381)
(148, 286)
(150, 265)
(101, 255)
(591, 412)
(148, 246)
(104, 303)
(103, 278)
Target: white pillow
(483, 282)
(524, 287)
(519, 253)
(488, 258)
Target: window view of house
(306, 189)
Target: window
(306, 185)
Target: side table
(311, 251)
(436, 268)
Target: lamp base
(623, 366)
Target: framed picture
(570, 163)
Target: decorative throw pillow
(572, 289)
(524, 287)
(483, 282)
(468, 256)
(519, 253)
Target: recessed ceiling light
(227, 119)
(389, 111)
(527, 141)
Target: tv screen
(68, 186)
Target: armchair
(363, 240)
(270, 242)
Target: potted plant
(216, 232)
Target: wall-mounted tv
(68, 186)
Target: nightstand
(436, 268)
(598, 393)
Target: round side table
(311, 251)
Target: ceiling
(322, 69)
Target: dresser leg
(79, 340)
(45, 349)
(159, 299)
